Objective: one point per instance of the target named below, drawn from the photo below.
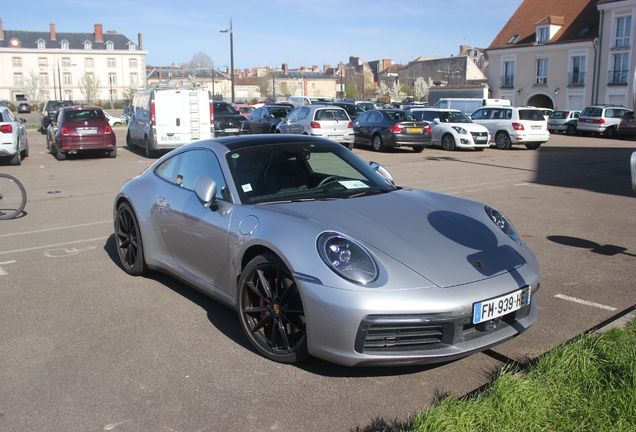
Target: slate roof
(29, 39)
(574, 15)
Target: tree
(200, 60)
(420, 89)
(350, 92)
(32, 89)
(90, 87)
(129, 92)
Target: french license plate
(231, 130)
(414, 130)
(537, 127)
(481, 138)
(589, 121)
(86, 131)
(171, 138)
(335, 137)
(494, 308)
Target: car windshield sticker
(353, 184)
(247, 188)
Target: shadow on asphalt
(607, 250)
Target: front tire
(271, 310)
(129, 245)
(448, 142)
(502, 141)
(377, 143)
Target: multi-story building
(58, 64)
(565, 55)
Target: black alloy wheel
(129, 246)
(271, 310)
(448, 142)
(502, 141)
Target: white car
(112, 121)
(453, 129)
(514, 125)
(13, 137)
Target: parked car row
(607, 120)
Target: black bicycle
(12, 197)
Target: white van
(167, 117)
(307, 100)
(469, 105)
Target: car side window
(167, 169)
(481, 114)
(304, 113)
(196, 162)
(258, 112)
(294, 114)
(375, 117)
(363, 117)
(609, 113)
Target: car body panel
(13, 136)
(443, 256)
(319, 120)
(82, 128)
(524, 125)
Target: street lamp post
(231, 55)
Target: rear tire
(16, 159)
(59, 155)
(533, 146)
(128, 237)
(610, 133)
(148, 151)
(571, 130)
(112, 154)
(502, 141)
(377, 143)
(418, 149)
(129, 142)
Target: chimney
(139, 43)
(326, 67)
(1, 31)
(285, 68)
(99, 33)
(111, 32)
(52, 25)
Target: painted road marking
(55, 229)
(585, 302)
(3, 271)
(52, 246)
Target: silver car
(322, 254)
(325, 121)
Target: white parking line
(55, 229)
(585, 302)
(3, 271)
(52, 245)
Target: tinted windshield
(303, 171)
(531, 115)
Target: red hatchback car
(82, 129)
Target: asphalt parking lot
(84, 346)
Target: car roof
(245, 141)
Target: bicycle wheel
(12, 197)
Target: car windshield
(531, 115)
(83, 115)
(400, 116)
(453, 117)
(301, 172)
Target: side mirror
(633, 169)
(205, 190)
(436, 121)
(383, 172)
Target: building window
(44, 78)
(513, 39)
(67, 78)
(111, 62)
(88, 45)
(41, 44)
(64, 45)
(88, 62)
(112, 78)
(542, 72)
(42, 61)
(508, 77)
(133, 78)
(132, 63)
(17, 61)
(543, 35)
(132, 47)
(66, 61)
(110, 45)
(17, 79)
(623, 31)
(577, 76)
(621, 69)
(68, 94)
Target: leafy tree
(32, 88)
(350, 92)
(200, 60)
(420, 89)
(90, 87)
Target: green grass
(588, 384)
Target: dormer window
(110, 45)
(41, 44)
(513, 39)
(543, 35)
(64, 44)
(88, 45)
(132, 47)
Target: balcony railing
(576, 79)
(617, 77)
(508, 81)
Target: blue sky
(272, 32)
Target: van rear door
(182, 116)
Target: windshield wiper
(368, 193)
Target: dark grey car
(392, 128)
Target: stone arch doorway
(541, 101)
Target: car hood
(447, 240)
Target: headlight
(347, 258)
(503, 224)
(460, 130)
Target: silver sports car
(322, 254)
